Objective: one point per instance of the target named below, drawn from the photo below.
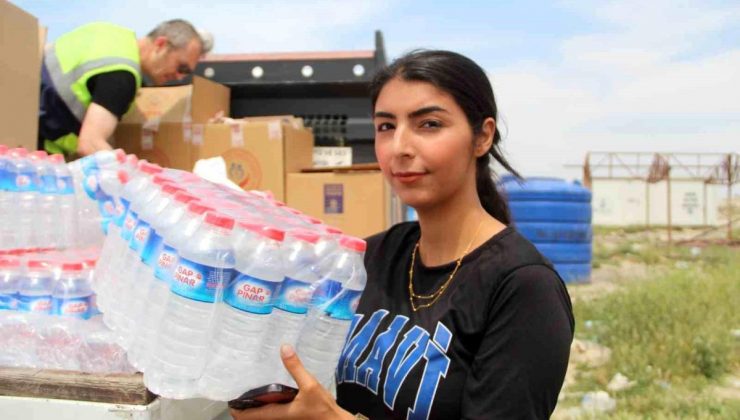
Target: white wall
(622, 202)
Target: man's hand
(97, 126)
(312, 401)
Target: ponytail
(493, 200)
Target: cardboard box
(21, 39)
(324, 157)
(358, 202)
(259, 152)
(164, 122)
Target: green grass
(671, 335)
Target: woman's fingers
(293, 364)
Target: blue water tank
(556, 216)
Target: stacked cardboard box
(170, 126)
(259, 152)
(21, 44)
(166, 124)
(356, 200)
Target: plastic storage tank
(556, 216)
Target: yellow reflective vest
(77, 56)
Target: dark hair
(468, 84)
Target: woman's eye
(431, 124)
(384, 126)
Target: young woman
(461, 317)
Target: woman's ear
(484, 139)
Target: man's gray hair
(179, 33)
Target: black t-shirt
(113, 91)
(495, 345)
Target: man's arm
(97, 126)
(112, 93)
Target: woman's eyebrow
(383, 114)
(419, 112)
(427, 110)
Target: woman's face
(423, 142)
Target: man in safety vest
(90, 77)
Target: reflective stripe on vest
(63, 82)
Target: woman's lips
(408, 177)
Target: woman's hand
(312, 401)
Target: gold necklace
(438, 293)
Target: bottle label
(25, 182)
(107, 208)
(166, 259)
(121, 211)
(198, 281)
(37, 304)
(140, 236)
(251, 294)
(345, 305)
(325, 291)
(153, 248)
(65, 185)
(94, 310)
(48, 184)
(78, 307)
(129, 224)
(293, 296)
(90, 184)
(89, 164)
(8, 302)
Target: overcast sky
(569, 76)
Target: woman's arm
(520, 365)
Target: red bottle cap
(218, 220)
(196, 207)
(304, 235)
(352, 243)
(273, 233)
(73, 266)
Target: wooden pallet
(67, 385)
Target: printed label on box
(237, 137)
(333, 198)
(197, 134)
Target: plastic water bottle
(243, 319)
(67, 204)
(181, 232)
(114, 229)
(47, 232)
(72, 295)
(10, 275)
(204, 265)
(134, 297)
(114, 313)
(335, 301)
(291, 304)
(86, 174)
(110, 264)
(24, 184)
(6, 202)
(35, 288)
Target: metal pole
(729, 203)
(647, 203)
(705, 205)
(670, 220)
